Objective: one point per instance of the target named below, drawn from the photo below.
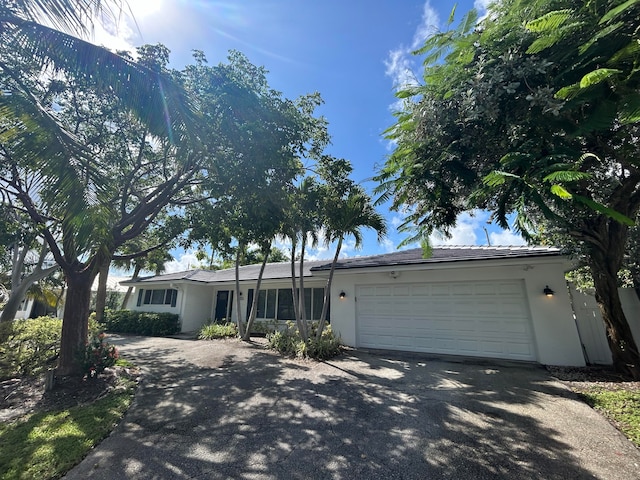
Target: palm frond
(155, 97)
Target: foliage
(218, 330)
(48, 444)
(93, 144)
(622, 407)
(264, 327)
(530, 112)
(32, 346)
(266, 139)
(142, 323)
(289, 342)
(97, 356)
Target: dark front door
(224, 303)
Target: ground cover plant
(615, 396)
(621, 407)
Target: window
(23, 305)
(278, 303)
(158, 297)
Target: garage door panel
(458, 318)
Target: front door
(224, 304)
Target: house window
(23, 305)
(278, 303)
(158, 297)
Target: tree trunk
(254, 303)
(605, 260)
(239, 321)
(624, 350)
(101, 294)
(13, 303)
(294, 289)
(19, 291)
(127, 296)
(303, 310)
(327, 292)
(75, 322)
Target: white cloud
(427, 27)
(482, 5)
(506, 237)
(399, 67)
(462, 234)
(186, 261)
(468, 226)
(396, 220)
(400, 63)
(388, 245)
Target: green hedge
(30, 346)
(141, 323)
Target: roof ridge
(496, 247)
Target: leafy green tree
(266, 138)
(89, 195)
(534, 110)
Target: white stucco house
(469, 301)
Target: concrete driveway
(225, 409)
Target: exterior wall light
(342, 295)
(548, 292)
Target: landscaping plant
(218, 330)
(97, 356)
(289, 342)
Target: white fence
(591, 327)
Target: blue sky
(353, 52)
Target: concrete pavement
(226, 409)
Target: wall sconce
(240, 294)
(342, 295)
(548, 292)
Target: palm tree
(347, 217)
(23, 35)
(302, 223)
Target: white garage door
(488, 319)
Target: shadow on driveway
(227, 409)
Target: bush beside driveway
(227, 409)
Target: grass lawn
(621, 407)
(46, 445)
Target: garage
(480, 319)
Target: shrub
(289, 342)
(31, 346)
(142, 323)
(264, 327)
(97, 356)
(218, 330)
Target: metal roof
(441, 255)
(274, 271)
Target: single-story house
(497, 302)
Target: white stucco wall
(554, 330)
(196, 306)
(196, 303)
